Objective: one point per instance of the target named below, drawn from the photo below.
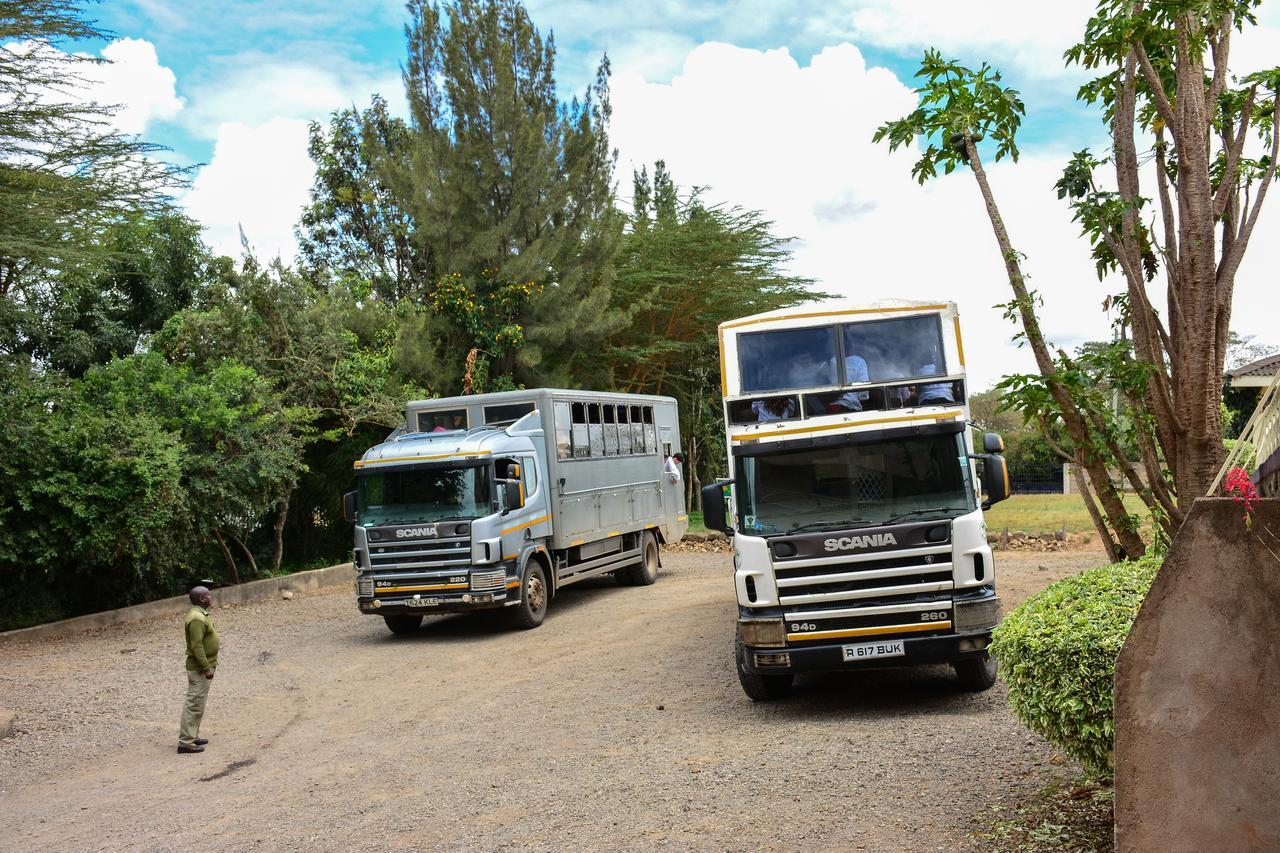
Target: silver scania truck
(499, 500)
(855, 501)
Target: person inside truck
(774, 409)
(855, 370)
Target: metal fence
(1036, 479)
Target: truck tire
(402, 623)
(534, 594)
(976, 674)
(644, 572)
(762, 688)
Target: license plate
(867, 651)
(421, 602)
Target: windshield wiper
(828, 525)
(891, 519)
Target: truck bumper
(830, 657)
(483, 590)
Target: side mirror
(992, 443)
(995, 479)
(713, 507)
(512, 495)
(349, 507)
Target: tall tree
(355, 230)
(506, 186)
(685, 267)
(1206, 181)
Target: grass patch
(695, 523)
(1049, 513)
(1073, 815)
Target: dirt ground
(617, 724)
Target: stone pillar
(1197, 691)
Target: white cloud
(258, 90)
(134, 79)
(258, 181)
(795, 142)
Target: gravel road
(617, 724)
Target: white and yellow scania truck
(855, 499)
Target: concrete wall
(1198, 692)
(222, 596)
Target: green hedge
(1058, 653)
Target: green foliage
(65, 176)
(959, 107)
(1058, 655)
(355, 230)
(113, 484)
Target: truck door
(531, 521)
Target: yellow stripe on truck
(420, 588)
(880, 630)
(527, 524)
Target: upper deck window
(504, 413)
(442, 420)
(888, 350)
(789, 358)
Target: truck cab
(855, 499)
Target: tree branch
(1158, 95)
(1227, 185)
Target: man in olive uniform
(202, 660)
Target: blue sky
(770, 105)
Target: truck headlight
(762, 633)
(977, 615)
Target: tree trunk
(253, 564)
(1113, 549)
(1077, 428)
(226, 555)
(277, 530)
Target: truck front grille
(421, 554)
(847, 596)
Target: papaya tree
(1213, 146)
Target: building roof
(1255, 373)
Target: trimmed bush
(1058, 651)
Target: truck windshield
(424, 494)
(856, 485)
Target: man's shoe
(200, 741)
(191, 749)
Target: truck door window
(581, 446)
(610, 431)
(529, 473)
(597, 430)
(624, 430)
(637, 430)
(564, 431)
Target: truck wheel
(976, 674)
(762, 688)
(644, 572)
(532, 608)
(402, 623)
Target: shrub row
(1058, 652)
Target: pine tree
(510, 194)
